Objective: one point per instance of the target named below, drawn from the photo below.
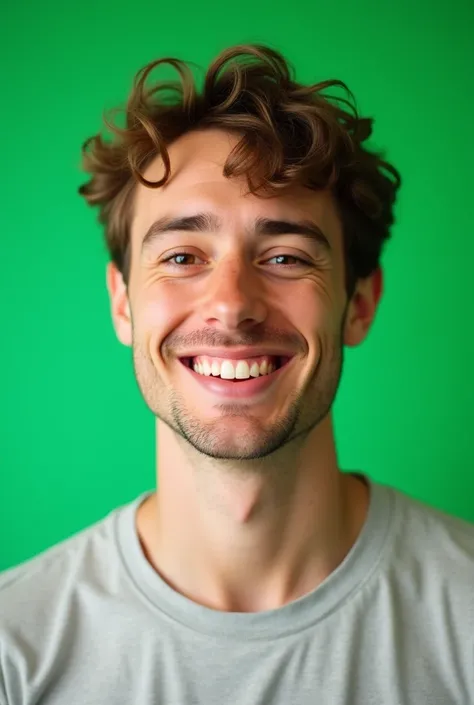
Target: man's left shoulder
(435, 541)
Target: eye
(180, 259)
(296, 260)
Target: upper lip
(237, 353)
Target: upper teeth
(233, 369)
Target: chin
(236, 451)
(237, 438)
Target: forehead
(198, 184)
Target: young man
(245, 225)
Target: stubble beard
(222, 438)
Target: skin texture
(247, 487)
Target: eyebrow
(209, 222)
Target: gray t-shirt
(89, 622)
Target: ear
(362, 308)
(119, 304)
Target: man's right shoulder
(28, 589)
(47, 600)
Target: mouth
(236, 371)
(233, 380)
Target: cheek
(318, 318)
(314, 307)
(158, 310)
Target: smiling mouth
(236, 371)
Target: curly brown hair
(289, 134)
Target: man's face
(238, 287)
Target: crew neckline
(356, 568)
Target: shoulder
(32, 590)
(432, 554)
(49, 601)
(441, 536)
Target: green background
(76, 439)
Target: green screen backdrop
(76, 439)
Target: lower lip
(242, 389)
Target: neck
(286, 522)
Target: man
(245, 225)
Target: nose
(234, 297)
